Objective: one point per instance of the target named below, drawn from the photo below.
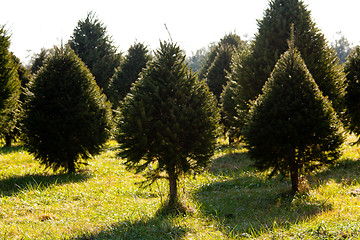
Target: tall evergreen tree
(352, 69)
(9, 88)
(233, 106)
(66, 117)
(216, 75)
(128, 72)
(92, 44)
(169, 121)
(230, 41)
(292, 127)
(271, 42)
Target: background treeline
(288, 94)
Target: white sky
(193, 24)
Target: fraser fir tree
(95, 48)
(9, 88)
(352, 69)
(67, 118)
(128, 72)
(292, 127)
(271, 42)
(169, 121)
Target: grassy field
(230, 201)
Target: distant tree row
(285, 95)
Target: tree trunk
(173, 194)
(71, 166)
(7, 141)
(294, 172)
(231, 140)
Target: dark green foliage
(231, 41)
(233, 115)
(216, 75)
(168, 121)
(271, 42)
(9, 88)
(128, 72)
(67, 118)
(24, 73)
(229, 113)
(25, 77)
(352, 68)
(38, 60)
(92, 44)
(292, 128)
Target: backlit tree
(271, 41)
(66, 117)
(291, 127)
(169, 121)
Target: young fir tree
(352, 69)
(169, 121)
(292, 127)
(128, 72)
(67, 118)
(95, 48)
(271, 42)
(9, 88)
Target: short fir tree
(352, 69)
(9, 88)
(128, 72)
(67, 118)
(292, 127)
(168, 122)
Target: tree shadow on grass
(249, 203)
(231, 164)
(153, 228)
(14, 184)
(6, 150)
(346, 172)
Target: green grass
(231, 200)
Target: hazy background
(192, 23)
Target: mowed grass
(231, 200)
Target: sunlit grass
(231, 200)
